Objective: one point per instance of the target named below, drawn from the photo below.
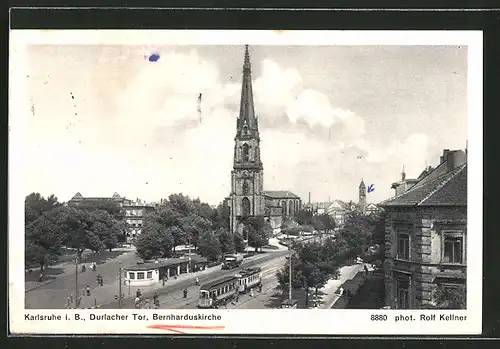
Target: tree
(303, 217)
(227, 240)
(77, 228)
(220, 216)
(323, 222)
(259, 232)
(36, 205)
(313, 264)
(449, 298)
(154, 241)
(110, 206)
(43, 241)
(209, 245)
(109, 231)
(239, 243)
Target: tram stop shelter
(146, 274)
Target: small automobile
(340, 291)
(289, 304)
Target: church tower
(247, 176)
(362, 196)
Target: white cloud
(154, 144)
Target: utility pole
(189, 252)
(289, 266)
(77, 295)
(120, 288)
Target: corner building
(426, 235)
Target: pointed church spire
(403, 174)
(247, 121)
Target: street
(171, 297)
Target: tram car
(249, 278)
(218, 292)
(224, 290)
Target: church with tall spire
(247, 197)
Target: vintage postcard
(241, 182)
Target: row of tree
(50, 226)
(181, 220)
(314, 263)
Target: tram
(249, 278)
(225, 289)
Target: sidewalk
(62, 270)
(349, 272)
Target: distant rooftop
(280, 194)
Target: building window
(246, 207)
(403, 292)
(453, 248)
(246, 152)
(283, 208)
(246, 187)
(131, 276)
(403, 247)
(140, 276)
(150, 275)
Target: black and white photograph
(168, 177)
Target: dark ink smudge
(154, 57)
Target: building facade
(426, 234)
(134, 216)
(247, 197)
(280, 204)
(133, 211)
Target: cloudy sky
(106, 119)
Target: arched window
(246, 187)
(283, 208)
(246, 151)
(296, 205)
(246, 207)
(290, 208)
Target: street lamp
(120, 288)
(289, 266)
(76, 283)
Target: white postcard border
(274, 321)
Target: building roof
(217, 282)
(280, 194)
(167, 263)
(436, 189)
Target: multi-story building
(426, 234)
(134, 216)
(134, 211)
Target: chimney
(445, 155)
(455, 158)
(309, 198)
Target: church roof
(280, 194)
(247, 124)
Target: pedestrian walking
(88, 290)
(83, 268)
(260, 287)
(251, 292)
(197, 281)
(40, 277)
(94, 266)
(137, 302)
(147, 305)
(101, 281)
(185, 292)
(138, 293)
